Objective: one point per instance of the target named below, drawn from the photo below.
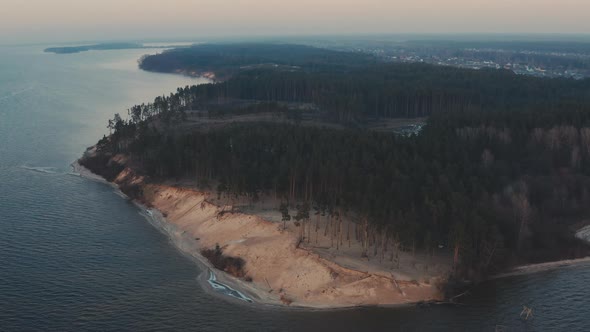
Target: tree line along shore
(498, 177)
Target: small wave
(15, 93)
(46, 170)
(225, 289)
(187, 246)
(121, 194)
(584, 234)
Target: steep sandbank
(280, 269)
(282, 272)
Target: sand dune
(278, 268)
(281, 271)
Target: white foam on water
(46, 170)
(15, 93)
(584, 234)
(121, 194)
(225, 289)
(188, 247)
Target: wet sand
(541, 267)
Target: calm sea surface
(74, 256)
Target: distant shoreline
(104, 47)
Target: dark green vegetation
(231, 265)
(351, 88)
(500, 174)
(226, 60)
(96, 47)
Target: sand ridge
(281, 271)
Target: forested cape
(95, 47)
(351, 87)
(500, 174)
(226, 60)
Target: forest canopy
(500, 173)
(353, 87)
(227, 60)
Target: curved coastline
(176, 237)
(263, 294)
(189, 247)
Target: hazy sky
(69, 20)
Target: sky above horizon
(74, 20)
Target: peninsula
(101, 47)
(332, 179)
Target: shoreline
(188, 247)
(261, 298)
(540, 267)
(156, 219)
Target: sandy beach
(541, 267)
(282, 272)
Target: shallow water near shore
(76, 256)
